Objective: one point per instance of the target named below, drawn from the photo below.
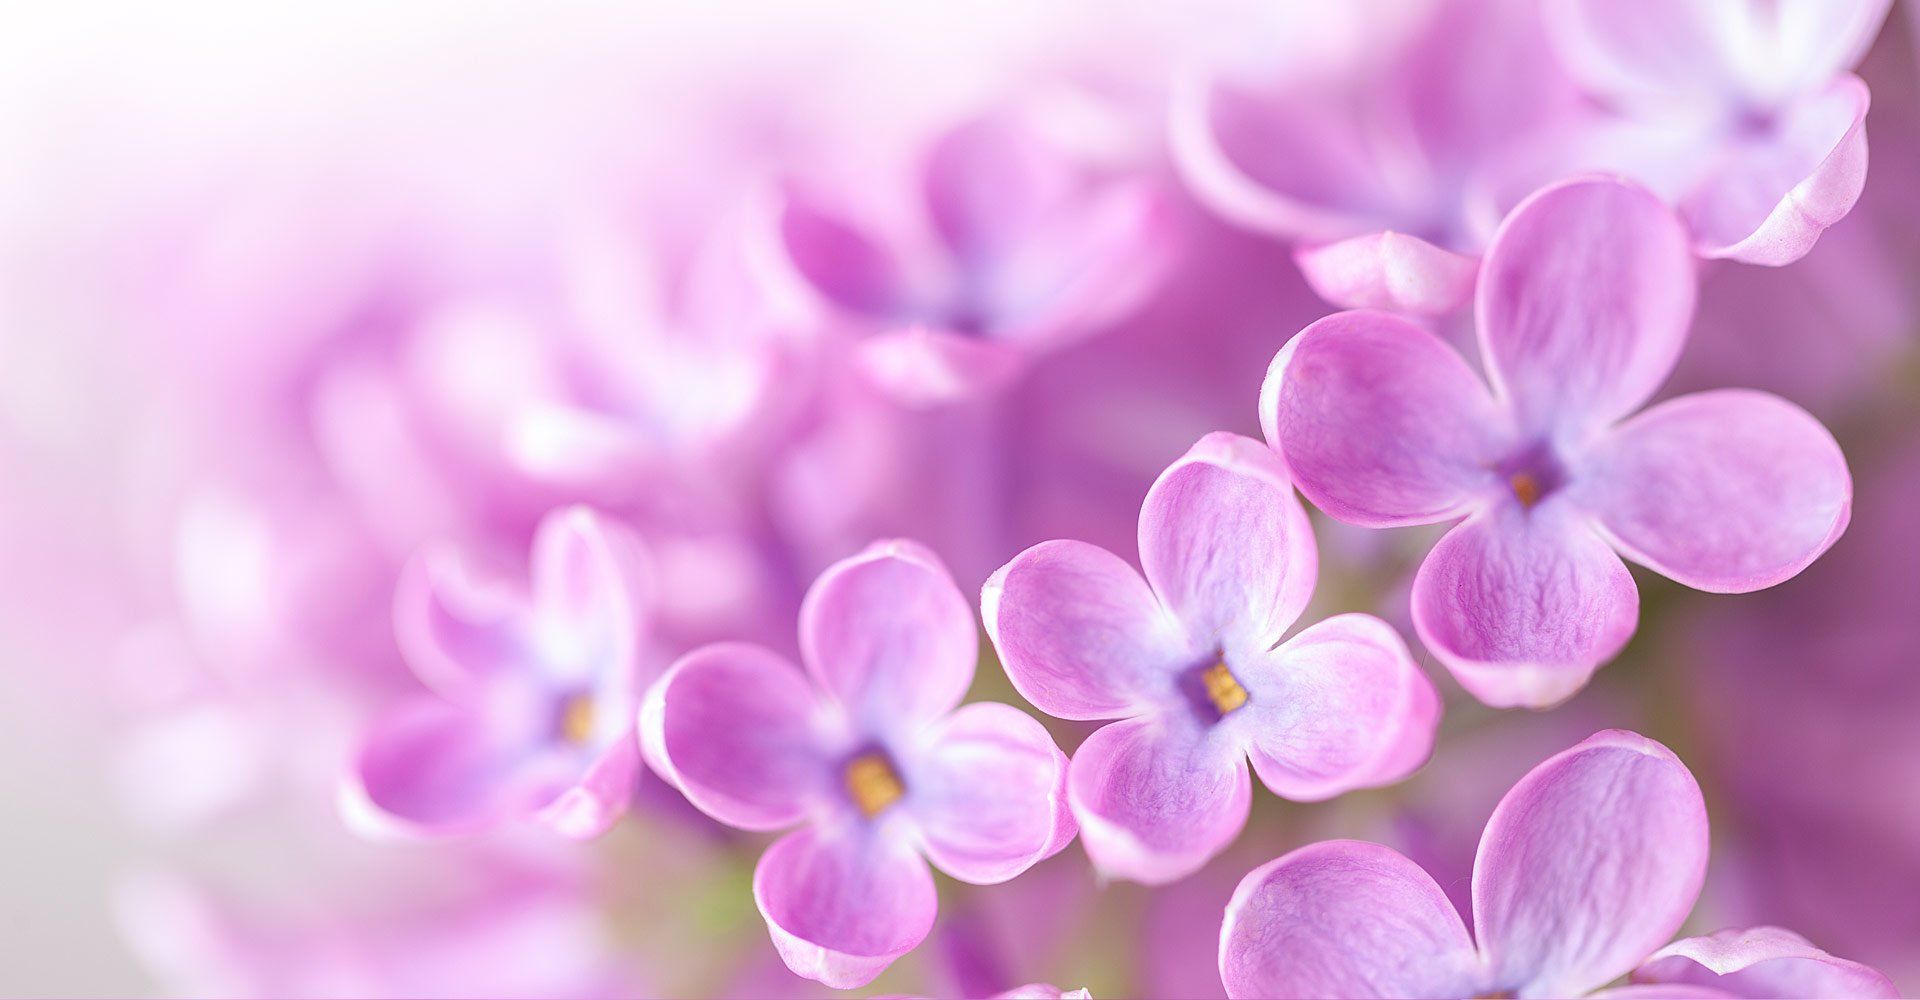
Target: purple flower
(1191, 660)
(1743, 115)
(1023, 248)
(1587, 866)
(867, 750)
(1583, 305)
(535, 689)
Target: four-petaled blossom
(1024, 247)
(869, 751)
(1583, 304)
(1742, 113)
(1192, 660)
(534, 690)
(1588, 865)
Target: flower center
(1533, 473)
(1525, 487)
(576, 718)
(1222, 688)
(872, 783)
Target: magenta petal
(1344, 918)
(1522, 607)
(1340, 706)
(842, 904)
(1158, 796)
(1583, 304)
(989, 183)
(1762, 962)
(433, 769)
(837, 261)
(736, 729)
(888, 634)
(458, 632)
(1226, 544)
(1589, 863)
(1726, 491)
(591, 807)
(1080, 634)
(925, 368)
(589, 579)
(1771, 199)
(1380, 422)
(989, 793)
(1391, 271)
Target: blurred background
(288, 292)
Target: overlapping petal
(589, 579)
(1340, 706)
(1344, 918)
(1725, 491)
(988, 182)
(591, 806)
(738, 730)
(924, 368)
(1762, 962)
(1226, 544)
(1080, 634)
(1391, 271)
(837, 261)
(434, 769)
(842, 903)
(1590, 863)
(1380, 422)
(989, 792)
(1583, 304)
(887, 633)
(459, 632)
(1523, 605)
(1158, 795)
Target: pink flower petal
(1583, 304)
(989, 792)
(925, 368)
(1762, 962)
(1726, 491)
(1080, 634)
(836, 261)
(434, 769)
(843, 903)
(592, 806)
(1772, 197)
(737, 729)
(1522, 606)
(887, 633)
(1226, 544)
(459, 632)
(589, 586)
(1343, 918)
(1589, 863)
(1380, 422)
(1339, 706)
(1158, 796)
(1391, 271)
(989, 183)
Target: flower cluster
(823, 545)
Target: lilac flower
(1587, 866)
(867, 750)
(1742, 113)
(535, 690)
(1191, 660)
(1376, 177)
(1023, 248)
(1583, 304)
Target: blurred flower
(1191, 661)
(879, 764)
(1583, 305)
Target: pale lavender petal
(591, 807)
(590, 576)
(1344, 918)
(1080, 634)
(887, 633)
(843, 903)
(1726, 491)
(1340, 706)
(1583, 304)
(1158, 796)
(1762, 962)
(1226, 544)
(1093, 261)
(1774, 195)
(1589, 863)
(1391, 271)
(988, 790)
(1523, 606)
(737, 729)
(459, 632)
(433, 769)
(988, 182)
(924, 368)
(837, 261)
(1380, 422)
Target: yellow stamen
(872, 783)
(1526, 488)
(576, 719)
(1226, 692)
